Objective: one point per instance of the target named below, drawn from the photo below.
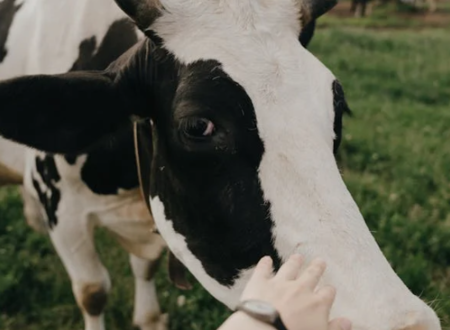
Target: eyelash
(198, 128)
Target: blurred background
(393, 59)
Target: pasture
(395, 158)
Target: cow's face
(237, 139)
(242, 166)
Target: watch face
(260, 307)
(262, 311)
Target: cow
(237, 128)
(431, 4)
(66, 196)
(359, 7)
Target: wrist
(240, 321)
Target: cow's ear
(307, 33)
(64, 113)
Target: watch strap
(274, 321)
(278, 324)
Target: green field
(395, 159)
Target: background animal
(362, 8)
(431, 4)
(241, 166)
(359, 7)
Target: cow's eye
(198, 128)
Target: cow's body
(359, 7)
(67, 196)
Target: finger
(326, 296)
(340, 324)
(291, 268)
(312, 275)
(264, 269)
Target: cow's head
(244, 124)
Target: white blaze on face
(256, 41)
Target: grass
(395, 156)
(395, 159)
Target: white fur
(314, 214)
(45, 34)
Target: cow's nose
(424, 319)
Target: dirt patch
(419, 17)
(342, 9)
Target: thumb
(340, 324)
(264, 269)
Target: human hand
(294, 295)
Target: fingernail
(345, 324)
(320, 262)
(266, 261)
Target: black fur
(143, 13)
(110, 167)
(316, 8)
(8, 10)
(120, 37)
(307, 33)
(52, 110)
(340, 109)
(71, 160)
(69, 98)
(51, 195)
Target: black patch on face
(340, 108)
(209, 187)
(7, 12)
(50, 196)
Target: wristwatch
(263, 312)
